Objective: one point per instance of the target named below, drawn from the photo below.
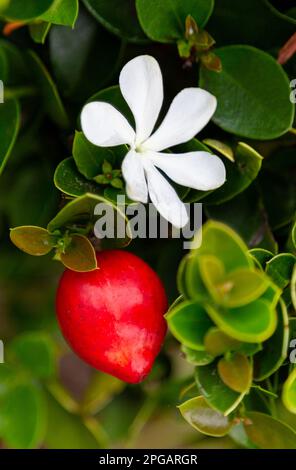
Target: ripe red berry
(113, 317)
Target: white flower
(142, 88)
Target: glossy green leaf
(25, 11)
(51, 98)
(82, 209)
(23, 416)
(289, 392)
(267, 432)
(212, 273)
(119, 17)
(215, 392)
(231, 20)
(197, 358)
(79, 255)
(33, 240)
(89, 158)
(217, 343)
(220, 147)
(221, 241)
(240, 174)
(240, 287)
(293, 287)
(9, 127)
(236, 372)
(36, 353)
(261, 256)
(275, 349)
(39, 31)
(85, 51)
(280, 269)
(16, 71)
(243, 89)
(68, 180)
(63, 12)
(203, 418)
(252, 323)
(189, 322)
(165, 21)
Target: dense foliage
(233, 300)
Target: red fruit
(113, 317)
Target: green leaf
(25, 11)
(221, 241)
(252, 323)
(39, 31)
(33, 240)
(236, 372)
(81, 210)
(85, 51)
(89, 158)
(23, 416)
(51, 98)
(243, 89)
(267, 432)
(293, 288)
(217, 343)
(35, 352)
(220, 147)
(289, 392)
(261, 256)
(9, 127)
(215, 392)
(119, 17)
(275, 349)
(212, 273)
(197, 358)
(231, 20)
(204, 418)
(68, 180)
(79, 255)
(16, 71)
(70, 433)
(189, 322)
(280, 269)
(240, 174)
(164, 21)
(63, 12)
(240, 287)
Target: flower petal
(189, 112)
(104, 126)
(197, 170)
(142, 88)
(133, 173)
(164, 197)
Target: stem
(271, 400)
(96, 430)
(19, 92)
(140, 420)
(292, 130)
(63, 397)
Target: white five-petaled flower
(142, 88)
